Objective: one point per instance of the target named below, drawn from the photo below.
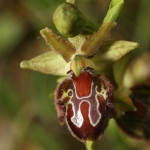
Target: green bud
(114, 10)
(68, 20)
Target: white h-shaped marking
(92, 100)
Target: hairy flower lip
(94, 95)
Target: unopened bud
(68, 20)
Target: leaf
(111, 51)
(59, 45)
(48, 63)
(91, 45)
(114, 10)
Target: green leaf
(92, 44)
(114, 10)
(111, 51)
(48, 63)
(59, 45)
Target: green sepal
(110, 52)
(48, 63)
(59, 45)
(114, 10)
(91, 45)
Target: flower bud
(68, 20)
(85, 103)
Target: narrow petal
(92, 44)
(59, 45)
(48, 63)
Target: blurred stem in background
(142, 31)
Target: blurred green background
(28, 119)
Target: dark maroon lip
(85, 103)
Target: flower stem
(88, 145)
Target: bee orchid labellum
(85, 103)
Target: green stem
(88, 145)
